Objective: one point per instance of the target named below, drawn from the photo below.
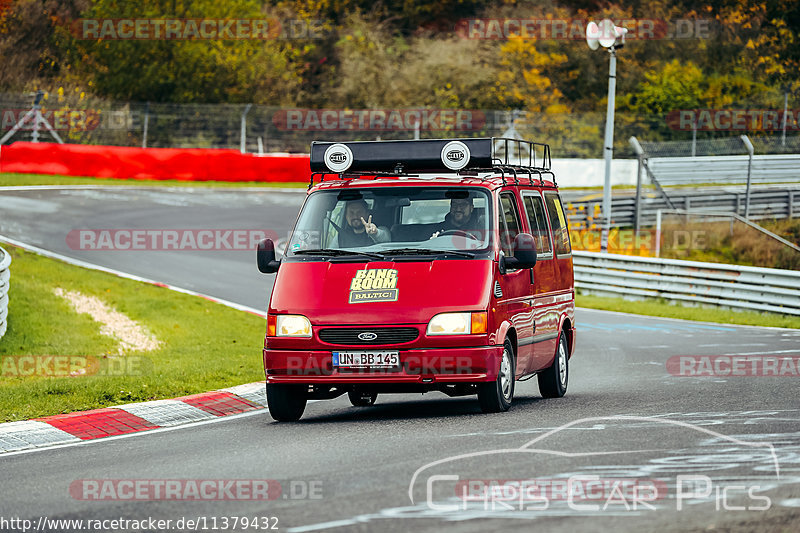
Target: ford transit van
(419, 266)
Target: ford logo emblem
(368, 336)
(455, 155)
(338, 157)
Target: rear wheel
(362, 399)
(286, 402)
(553, 381)
(497, 395)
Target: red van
(417, 266)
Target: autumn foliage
(362, 54)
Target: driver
(462, 217)
(359, 230)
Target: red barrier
(190, 164)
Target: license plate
(366, 359)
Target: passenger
(462, 217)
(360, 231)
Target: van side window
(558, 223)
(509, 223)
(538, 222)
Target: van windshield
(394, 221)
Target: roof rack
(515, 170)
(356, 159)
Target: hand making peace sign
(371, 228)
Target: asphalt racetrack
(642, 447)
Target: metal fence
(729, 145)
(728, 160)
(764, 204)
(248, 127)
(82, 119)
(5, 275)
(732, 169)
(731, 286)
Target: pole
(694, 135)
(243, 138)
(638, 218)
(750, 151)
(608, 150)
(637, 148)
(146, 121)
(658, 233)
(785, 111)
(37, 115)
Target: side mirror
(524, 252)
(265, 255)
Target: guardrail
(5, 275)
(764, 204)
(734, 286)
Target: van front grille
(381, 335)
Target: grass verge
(12, 179)
(206, 345)
(662, 308)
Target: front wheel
(497, 395)
(286, 403)
(553, 381)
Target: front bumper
(424, 366)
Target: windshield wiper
(426, 251)
(337, 253)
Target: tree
(523, 80)
(29, 50)
(185, 70)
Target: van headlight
(458, 324)
(292, 326)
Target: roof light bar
(428, 155)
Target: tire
(553, 381)
(286, 403)
(362, 399)
(496, 396)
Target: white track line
(136, 434)
(686, 321)
(215, 420)
(92, 266)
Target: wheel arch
(507, 331)
(566, 327)
(511, 334)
